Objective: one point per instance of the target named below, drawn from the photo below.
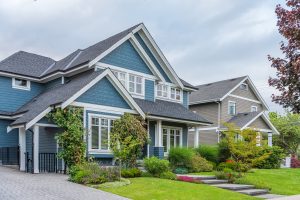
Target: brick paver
(15, 185)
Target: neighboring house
(126, 73)
(234, 101)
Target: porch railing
(48, 162)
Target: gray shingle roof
(241, 119)
(55, 96)
(27, 64)
(37, 66)
(186, 84)
(214, 91)
(169, 109)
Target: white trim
(203, 129)
(27, 87)
(10, 117)
(254, 110)
(37, 118)
(244, 98)
(101, 108)
(148, 135)
(176, 120)
(169, 128)
(161, 55)
(36, 144)
(22, 145)
(46, 125)
(145, 57)
(121, 69)
(266, 119)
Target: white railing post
(22, 145)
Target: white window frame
(246, 86)
(254, 109)
(168, 88)
(230, 102)
(169, 128)
(118, 75)
(15, 86)
(109, 118)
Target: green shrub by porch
(181, 157)
(209, 152)
(156, 166)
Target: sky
(204, 40)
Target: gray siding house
(234, 101)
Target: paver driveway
(15, 185)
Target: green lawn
(161, 189)
(280, 181)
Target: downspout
(219, 119)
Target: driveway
(15, 185)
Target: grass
(154, 188)
(280, 181)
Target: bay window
(100, 130)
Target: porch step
(214, 181)
(254, 192)
(197, 177)
(234, 187)
(269, 196)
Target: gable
(103, 93)
(245, 93)
(259, 123)
(127, 57)
(151, 56)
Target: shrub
(168, 175)
(156, 166)
(92, 173)
(274, 159)
(295, 163)
(181, 157)
(224, 152)
(209, 152)
(228, 174)
(229, 164)
(200, 164)
(131, 173)
(181, 170)
(235, 166)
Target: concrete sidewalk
(294, 197)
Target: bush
(181, 157)
(168, 175)
(181, 170)
(92, 173)
(295, 163)
(156, 166)
(235, 166)
(274, 159)
(200, 164)
(227, 174)
(209, 152)
(131, 173)
(224, 152)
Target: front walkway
(15, 185)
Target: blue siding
(127, 57)
(160, 69)
(15, 98)
(47, 139)
(186, 99)
(10, 139)
(149, 90)
(103, 93)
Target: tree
(287, 81)
(71, 139)
(127, 139)
(289, 128)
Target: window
(231, 108)
(171, 137)
(244, 86)
(100, 129)
(20, 84)
(253, 108)
(168, 92)
(121, 76)
(135, 84)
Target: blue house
(125, 73)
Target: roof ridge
(36, 54)
(221, 81)
(73, 59)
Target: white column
(270, 138)
(22, 145)
(36, 149)
(196, 137)
(158, 134)
(148, 135)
